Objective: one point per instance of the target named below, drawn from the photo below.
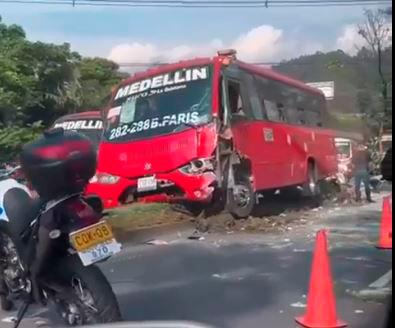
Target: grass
(141, 216)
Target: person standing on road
(361, 164)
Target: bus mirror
(231, 53)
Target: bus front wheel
(241, 199)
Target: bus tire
(241, 200)
(312, 186)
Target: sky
(161, 34)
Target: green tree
(16, 88)
(35, 78)
(97, 77)
(377, 33)
(40, 82)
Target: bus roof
(167, 68)
(266, 72)
(282, 78)
(82, 115)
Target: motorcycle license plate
(147, 184)
(95, 243)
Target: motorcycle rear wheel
(90, 298)
(8, 254)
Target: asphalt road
(241, 280)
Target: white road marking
(383, 282)
(380, 288)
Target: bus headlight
(198, 166)
(106, 179)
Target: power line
(147, 64)
(227, 2)
(205, 4)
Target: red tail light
(83, 213)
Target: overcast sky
(152, 34)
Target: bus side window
(269, 93)
(314, 112)
(315, 118)
(281, 112)
(234, 95)
(274, 112)
(257, 110)
(302, 116)
(236, 102)
(292, 115)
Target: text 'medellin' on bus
(89, 123)
(209, 131)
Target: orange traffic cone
(385, 241)
(321, 307)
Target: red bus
(89, 123)
(212, 130)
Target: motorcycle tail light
(83, 213)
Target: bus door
(237, 111)
(274, 138)
(261, 141)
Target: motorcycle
(50, 245)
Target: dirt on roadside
(225, 223)
(278, 214)
(275, 214)
(143, 216)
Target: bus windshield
(160, 105)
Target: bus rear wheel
(241, 200)
(312, 186)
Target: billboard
(328, 88)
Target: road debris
(299, 305)
(300, 250)
(156, 242)
(199, 238)
(41, 324)
(275, 215)
(196, 236)
(218, 276)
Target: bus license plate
(95, 243)
(147, 184)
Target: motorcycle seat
(21, 209)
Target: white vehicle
(7, 183)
